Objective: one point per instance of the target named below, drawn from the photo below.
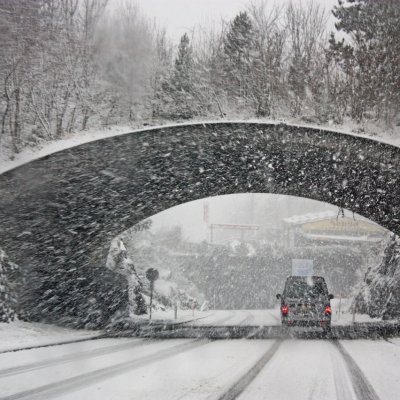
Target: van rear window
(302, 288)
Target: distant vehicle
(305, 302)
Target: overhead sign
(302, 267)
(342, 226)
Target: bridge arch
(64, 209)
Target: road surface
(173, 369)
(341, 316)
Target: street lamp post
(152, 275)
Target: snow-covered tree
(180, 94)
(119, 261)
(237, 54)
(161, 72)
(370, 53)
(305, 25)
(380, 293)
(267, 61)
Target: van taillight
(328, 310)
(284, 309)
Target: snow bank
(29, 154)
(18, 334)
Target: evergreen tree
(237, 55)
(182, 79)
(370, 54)
(180, 91)
(83, 297)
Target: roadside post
(152, 275)
(353, 320)
(193, 307)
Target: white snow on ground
(201, 373)
(395, 341)
(19, 334)
(218, 317)
(168, 316)
(342, 313)
(25, 357)
(240, 317)
(379, 360)
(78, 138)
(302, 370)
(20, 382)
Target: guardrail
(356, 331)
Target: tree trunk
(86, 117)
(15, 134)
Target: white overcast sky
(180, 16)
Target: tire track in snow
(240, 385)
(362, 388)
(75, 383)
(71, 357)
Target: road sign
(152, 274)
(302, 267)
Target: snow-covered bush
(119, 261)
(8, 300)
(380, 293)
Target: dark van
(305, 302)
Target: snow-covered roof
(310, 217)
(321, 216)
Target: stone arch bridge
(61, 212)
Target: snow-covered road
(239, 317)
(202, 369)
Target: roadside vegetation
(73, 65)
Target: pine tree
(237, 56)
(373, 50)
(183, 66)
(180, 91)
